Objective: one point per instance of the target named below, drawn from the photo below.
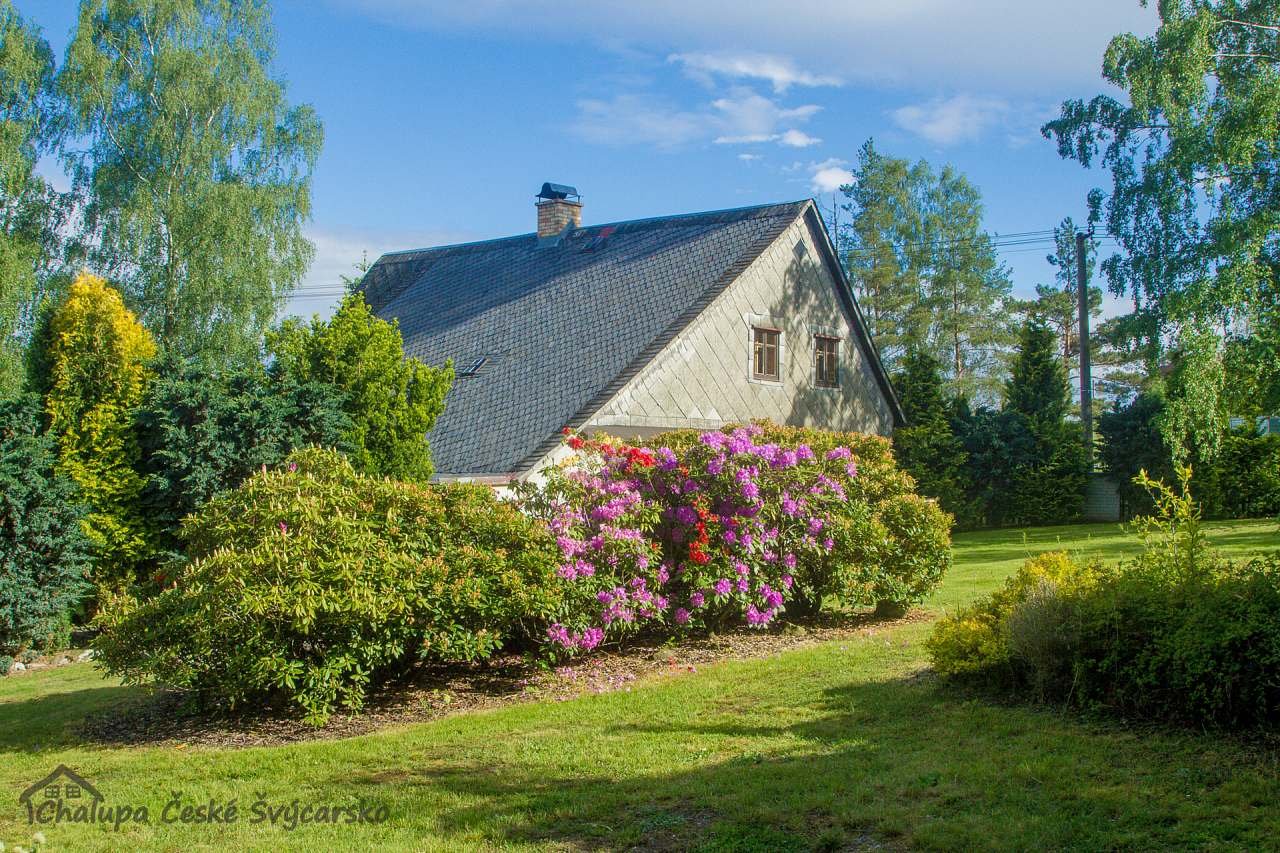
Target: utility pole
(835, 225)
(1086, 381)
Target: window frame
(756, 330)
(826, 362)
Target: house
(632, 328)
(1263, 424)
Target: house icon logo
(62, 792)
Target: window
(473, 369)
(826, 365)
(765, 353)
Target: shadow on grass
(53, 719)
(430, 692)
(882, 765)
(1244, 541)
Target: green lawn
(845, 745)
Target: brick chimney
(558, 206)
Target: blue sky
(442, 119)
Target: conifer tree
(97, 362)
(926, 273)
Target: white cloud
(791, 138)
(993, 45)
(630, 118)
(741, 117)
(947, 121)
(750, 117)
(829, 175)
(797, 139)
(748, 158)
(780, 71)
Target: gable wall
(703, 378)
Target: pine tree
(926, 273)
(927, 447)
(1037, 387)
(885, 239)
(1058, 304)
(967, 290)
(1045, 460)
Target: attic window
(764, 346)
(826, 364)
(473, 369)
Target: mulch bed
(162, 718)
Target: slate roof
(561, 327)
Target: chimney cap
(557, 192)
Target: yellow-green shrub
(1176, 633)
(976, 639)
(310, 584)
(97, 376)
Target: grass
(843, 745)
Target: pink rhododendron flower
(731, 516)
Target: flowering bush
(741, 524)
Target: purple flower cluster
(722, 529)
(582, 640)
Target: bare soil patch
(163, 717)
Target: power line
(1046, 238)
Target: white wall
(703, 378)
